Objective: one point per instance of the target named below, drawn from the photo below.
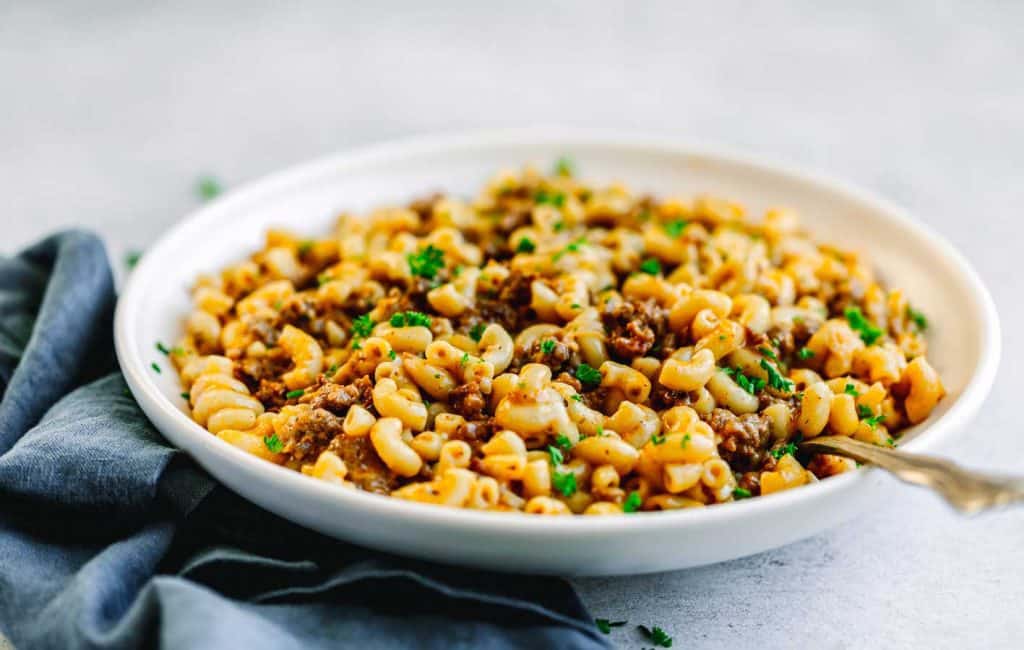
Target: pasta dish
(554, 347)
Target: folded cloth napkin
(111, 538)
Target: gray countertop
(110, 112)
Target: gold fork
(966, 490)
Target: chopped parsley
(465, 359)
(768, 352)
(477, 331)
(864, 411)
(787, 449)
(323, 279)
(588, 374)
(526, 245)
(564, 482)
(547, 346)
(571, 247)
(392, 354)
(162, 348)
(410, 319)
(563, 441)
(752, 385)
(186, 396)
(559, 226)
(208, 188)
(273, 443)
(362, 327)
(850, 389)
(657, 440)
(805, 353)
(918, 318)
(606, 626)
(675, 228)
(155, 367)
(860, 324)
(565, 166)
(576, 397)
(632, 502)
(650, 266)
(874, 420)
(333, 369)
(294, 394)
(131, 258)
(427, 262)
(306, 246)
(775, 378)
(685, 441)
(556, 455)
(741, 493)
(656, 635)
(543, 197)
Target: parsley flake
(606, 626)
(632, 502)
(918, 318)
(588, 374)
(131, 258)
(563, 441)
(850, 389)
(657, 440)
(542, 197)
(556, 455)
(208, 188)
(306, 246)
(768, 352)
(477, 331)
(410, 319)
(547, 346)
(571, 247)
(526, 245)
(650, 266)
(860, 324)
(564, 482)
(741, 493)
(675, 228)
(775, 378)
(805, 353)
(685, 441)
(752, 385)
(656, 635)
(787, 449)
(155, 367)
(294, 394)
(273, 443)
(362, 326)
(874, 420)
(427, 262)
(564, 166)
(162, 348)
(186, 396)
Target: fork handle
(966, 490)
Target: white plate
(963, 344)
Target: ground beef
(751, 481)
(314, 431)
(424, 206)
(475, 432)
(567, 378)
(337, 398)
(252, 370)
(633, 326)
(365, 468)
(744, 438)
(300, 312)
(665, 398)
(558, 359)
(467, 400)
(511, 306)
(271, 394)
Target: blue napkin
(111, 538)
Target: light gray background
(110, 111)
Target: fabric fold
(111, 538)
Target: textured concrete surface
(110, 111)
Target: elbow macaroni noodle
(555, 348)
